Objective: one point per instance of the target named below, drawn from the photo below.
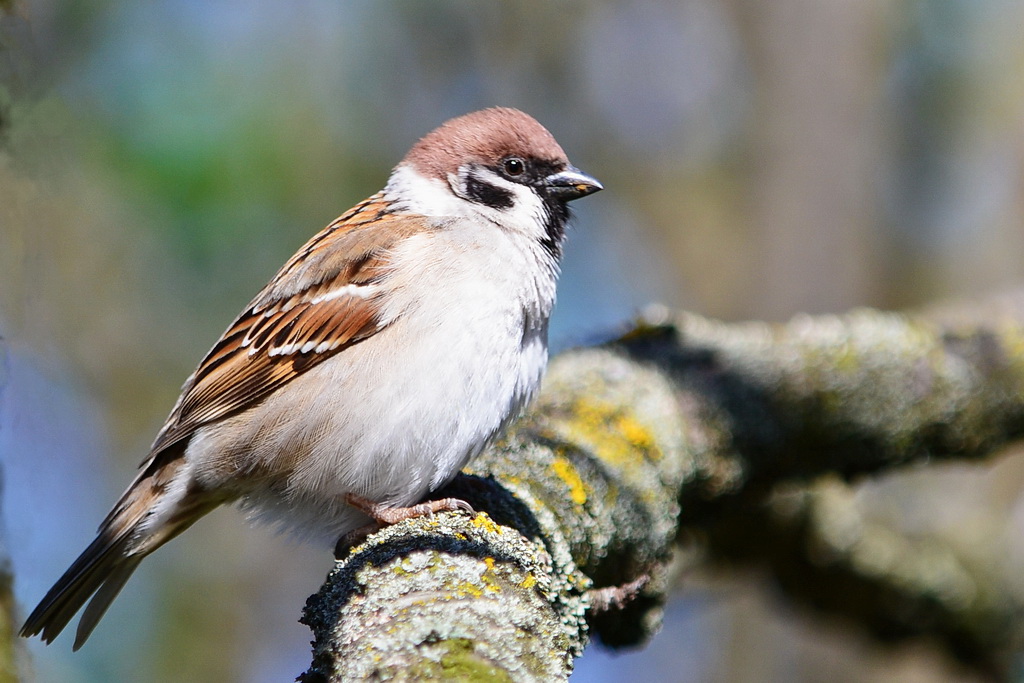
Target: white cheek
(410, 191)
(526, 215)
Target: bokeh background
(161, 159)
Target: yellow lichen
(635, 432)
(528, 582)
(567, 473)
(614, 434)
(483, 521)
(1013, 341)
(467, 588)
(491, 584)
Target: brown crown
(486, 137)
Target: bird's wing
(326, 298)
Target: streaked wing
(326, 298)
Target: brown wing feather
(326, 298)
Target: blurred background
(160, 160)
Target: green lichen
(460, 662)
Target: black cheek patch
(487, 194)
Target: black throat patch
(556, 215)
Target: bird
(380, 359)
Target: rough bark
(737, 440)
(9, 649)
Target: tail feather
(105, 594)
(128, 534)
(101, 561)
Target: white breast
(399, 414)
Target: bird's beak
(571, 183)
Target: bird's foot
(385, 515)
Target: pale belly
(359, 423)
(398, 415)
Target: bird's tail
(99, 573)
(125, 538)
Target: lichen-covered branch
(847, 394)
(825, 553)
(736, 437)
(581, 493)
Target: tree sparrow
(381, 358)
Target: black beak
(570, 184)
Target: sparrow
(384, 355)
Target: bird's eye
(514, 166)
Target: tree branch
(719, 434)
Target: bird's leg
(385, 515)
